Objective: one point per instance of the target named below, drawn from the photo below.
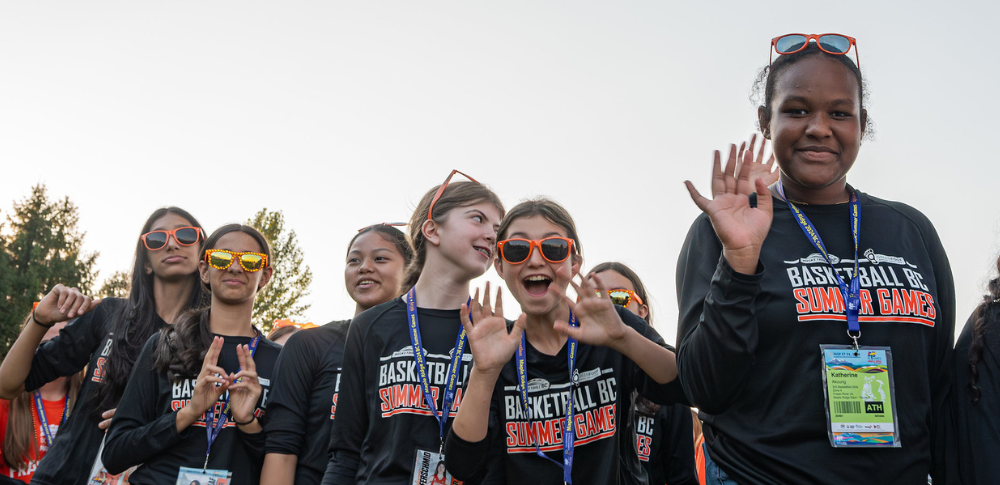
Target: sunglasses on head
(440, 190)
(185, 236)
(223, 259)
(397, 224)
(553, 249)
(836, 44)
(623, 297)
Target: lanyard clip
(205, 467)
(855, 337)
(441, 449)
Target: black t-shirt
(603, 382)
(144, 429)
(304, 398)
(83, 342)
(976, 431)
(749, 354)
(665, 443)
(382, 416)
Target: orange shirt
(54, 413)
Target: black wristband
(40, 324)
(252, 419)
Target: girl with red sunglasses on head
(405, 361)
(105, 341)
(664, 434)
(29, 422)
(559, 362)
(193, 407)
(816, 321)
(304, 397)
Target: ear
(764, 121)
(265, 277)
(643, 311)
(148, 268)
(429, 230)
(498, 264)
(203, 270)
(864, 121)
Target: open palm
(491, 344)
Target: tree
(117, 285)
(43, 248)
(282, 297)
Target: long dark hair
(458, 194)
(986, 315)
(136, 320)
(182, 347)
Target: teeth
(484, 251)
(537, 278)
(366, 282)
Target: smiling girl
(561, 362)
(788, 295)
(106, 341)
(199, 388)
(404, 363)
(304, 399)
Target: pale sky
(342, 114)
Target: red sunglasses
(835, 44)
(437, 195)
(185, 236)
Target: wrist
(487, 375)
(623, 342)
(742, 260)
(40, 324)
(238, 422)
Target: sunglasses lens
(252, 262)
(219, 259)
(555, 250)
(516, 251)
(186, 236)
(619, 297)
(156, 239)
(790, 43)
(835, 43)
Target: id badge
(197, 476)
(860, 397)
(429, 469)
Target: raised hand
(61, 304)
(491, 345)
(212, 381)
(765, 171)
(244, 387)
(741, 228)
(599, 322)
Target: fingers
(599, 284)
(247, 363)
(518, 328)
(106, 416)
(565, 329)
(212, 356)
(696, 197)
(498, 311)
(730, 171)
(718, 177)
(487, 309)
(764, 201)
(80, 305)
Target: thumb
(764, 202)
(519, 324)
(564, 328)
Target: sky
(342, 114)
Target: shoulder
(377, 316)
(891, 208)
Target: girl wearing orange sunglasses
(105, 341)
(562, 362)
(300, 414)
(406, 360)
(780, 291)
(191, 411)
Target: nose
(366, 265)
(819, 126)
(535, 259)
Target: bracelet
(40, 324)
(252, 419)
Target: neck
(358, 309)
(171, 297)
(540, 332)
(55, 390)
(441, 287)
(231, 320)
(835, 193)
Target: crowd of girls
(790, 284)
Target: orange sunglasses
(437, 195)
(185, 236)
(623, 297)
(836, 44)
(553, 249)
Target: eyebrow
(803, 99)
(522, 235)
(376, 250)
(176, 226)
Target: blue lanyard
(453, 368)
(43, 422)
(569, 435)
(852, 298)
(213, 427)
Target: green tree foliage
(40, 246)
(282, 297)
(117, 285)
